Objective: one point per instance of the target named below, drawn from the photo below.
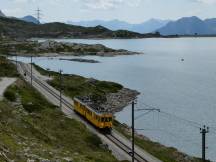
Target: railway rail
(125, 148)
(111, 137)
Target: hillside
(20, 29)
(190, 26)
(30, 18)
(33, 129)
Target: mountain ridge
(115, 24)
(190, 26)
(15, 28)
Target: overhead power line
(189, 122)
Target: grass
(7, 69)
(40, 129)
(75, 85)
(33, 128)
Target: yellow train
(96, 115)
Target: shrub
(10, 95)
(94, 140)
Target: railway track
(125, 148)
(57, 96)
(111, 137)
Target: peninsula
(53, 48)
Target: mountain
(112, 25)
(149, 26)
(15, 28)
(145, 27)
(189, 26)
(30, 18)
(211, 23)
(2, 14)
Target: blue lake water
(185, 89)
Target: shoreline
(50, 48)
(110, 95)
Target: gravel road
(4, 83)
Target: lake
(184, 91)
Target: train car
(95, 114)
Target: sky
(133, 11)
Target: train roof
(92, 105)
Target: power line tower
(38, 14)
(203, 131)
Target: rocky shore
(118, 101)
(81, 60)
(54, 48)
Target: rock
(81, 60)
(117, 101)
(91, 80)
(68, 159)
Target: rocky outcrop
(117, 101)
(53, 48)
(80, 49)
(80, 60)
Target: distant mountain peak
(192, 18)
(115, 24)
(189, 26)
(31, 19)
(2, 14)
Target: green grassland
(36, 129)
(33, 128)
(74, 85)
(7, 69)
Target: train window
(102, 119)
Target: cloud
(109, 4)
(206, 1)
(88, 4)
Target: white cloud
(90, 4)
(206, 1)
(109, 4)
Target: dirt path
(4, 83)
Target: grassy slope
(32, 128)
(42, 130)
(6, 68)
(20, 29)
(75, 85)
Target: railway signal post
(203, 131)
(133, 130)
(31, 70)
(16, 62)
(60, 79)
